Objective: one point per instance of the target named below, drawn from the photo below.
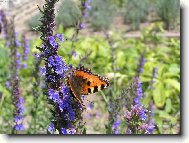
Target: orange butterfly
(84, 82)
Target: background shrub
(135, 11)
(68, 14)
(34, 21)
(168, 11)
(102, 14)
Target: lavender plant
(154, 75)
(25, 46)
(113, 121)
(137, 120)
(4, 32)
(80, 24)
(136, 115)
(65, 110)
(142, 61)
(17, 98)
(38, 111)
(4, 26)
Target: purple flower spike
(115, 126)
(151, 127)
(143, 115)
(138, 121)
(56, 73)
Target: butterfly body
(84, 82)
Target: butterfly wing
(76, 83)
(83, 82)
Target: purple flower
(19, 106)
(135, 110)
(43, 70)
(38, 56)
(64, 131)
(85, 14)
(143, 115)
(65, 90)
(21, 100)
(51, 61)
(53, 42)
(17, 60)
(143, 127)
(19, 127)
(74, 53)
(24, 65)
(137, 101)
(90, 106)
(51, 128)
(18, 118)
(63, 106)
(82, 26)
(18, 44)
(51, 93)
(60, 37)
(54, 95)
(7, 44)
(51, 78)
(139, 94)
(128, 115)
(87, 5)
(47, 51)
(115, 126)
(71, 113)
(60, 66)
(71, 131)
(68, 131)
(7, 84)
(26, 47)
(151, 127)
(21, 110)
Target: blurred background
(120, 39)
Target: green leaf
(168, 105)
(159, 96)
(173, 83)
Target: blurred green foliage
(169, 12)
(68, 14)
(161, 52)
(33, 22)
(135, 12)
(102, 14)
